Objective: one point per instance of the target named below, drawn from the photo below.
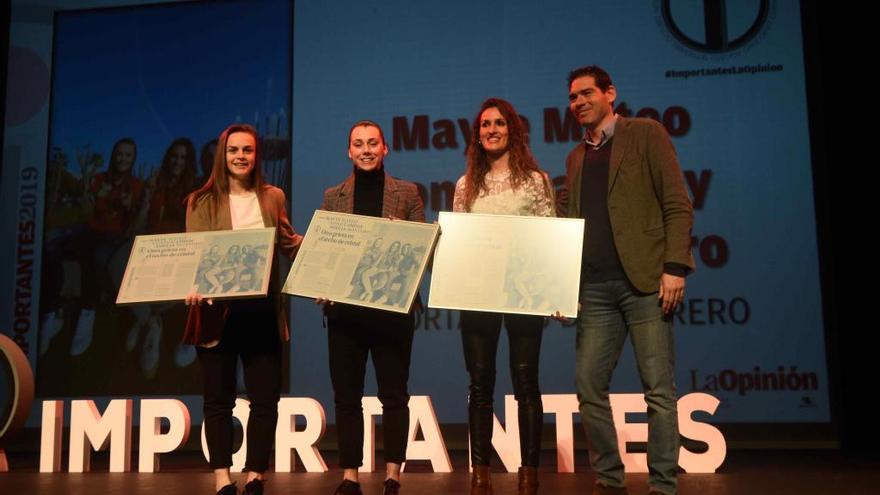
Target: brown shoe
(600, 489)
(528, 480)
(481, 483)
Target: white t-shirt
(245, 210)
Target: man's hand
(671, 291)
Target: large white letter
(152, 441)
(50, 436)
(114, 427)
(505, 440)
(432, 448)
(303, 442)
(708, 461)
(564, 407)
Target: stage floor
(744, 472)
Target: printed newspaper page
(217, 264)
(362, 260)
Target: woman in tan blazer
(235, 197)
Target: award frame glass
(507, 264)
(219, 264)
(362, 260)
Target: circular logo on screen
(714, 27)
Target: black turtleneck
(368, 191)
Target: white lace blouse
(500, 198)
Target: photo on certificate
(507, 264)
(217, 264)
(362, 260)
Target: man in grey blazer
(625, 181)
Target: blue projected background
(754, 304)
(750, 331)
(163, 72)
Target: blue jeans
(610, 311)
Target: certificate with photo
(362, 260)
(220, 264)
(507, 264)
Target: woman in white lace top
(503, 178)
(507, 184)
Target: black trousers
(479, 335)
(251, 333)
(354, 333)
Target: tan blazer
(205, 323)
(651, 214)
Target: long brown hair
(217, 185)
(520, 161)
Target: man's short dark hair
(603, 80)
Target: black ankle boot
(228, 490)
(349, 487)
(392, 487)
(254, 487)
